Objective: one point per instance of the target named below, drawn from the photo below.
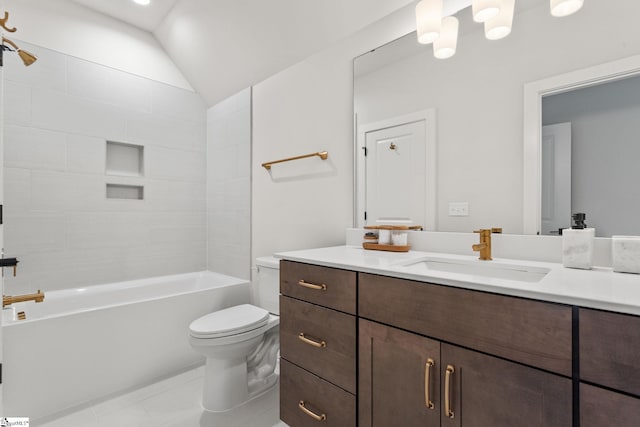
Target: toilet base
(229, 383)
(225, 385)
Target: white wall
(304, 109)
(478, 95)
(59, 113)
(604, 152)
(229, 186)
(69, 28)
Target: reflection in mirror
(600, 159)
(477, 98)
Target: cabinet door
(610, 350)
(487, 391)
(603, 408)
(396, 379)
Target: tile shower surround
(59, 113)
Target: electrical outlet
(458, 208)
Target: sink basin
(489, 269)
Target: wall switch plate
(458, 208)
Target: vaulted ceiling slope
(223, 46)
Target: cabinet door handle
(447, 391)
(319, 344)
(312, 414)
(321, 287)
(427, 383)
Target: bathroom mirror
(484, 164)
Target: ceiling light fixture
(499, 26)
(428, 20)
(431, 27)
(445, 46)
(484, 10)
(142, 2)
(562, 8)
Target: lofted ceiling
(147, 18)
(224, 46)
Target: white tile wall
(59, 113)
(229, 186)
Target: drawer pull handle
(321, 287)
(427, 383)
(447, 391)
(319, 344)
(312, 414)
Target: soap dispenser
(577, 244)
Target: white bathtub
(83, 344)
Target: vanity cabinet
(534, 333)
(421, 375)
(609, 357)
(376, 351)
(317, 345)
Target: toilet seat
(229, 321)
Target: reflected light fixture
(445, 46)
(497, 16)
(428, 20)
(484, 10)
(142, 2)
(500, 25)
(562, 8)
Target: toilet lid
(229, 321)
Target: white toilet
(241, 345)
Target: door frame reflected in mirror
(429, 117)
(532, 152)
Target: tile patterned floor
(173, 402)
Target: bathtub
(84, 344)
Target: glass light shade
(428, 20)
(484, 9)
(142, 2)
(561, 8)
(500, 26)
(445, 46)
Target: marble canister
(625, 254)
(577, 247)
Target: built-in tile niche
(125, 160)
(119, 191)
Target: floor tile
(173, 402)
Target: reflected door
(395, 174)
(556, 178)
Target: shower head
(28, 58)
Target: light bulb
(484, 9)
(500, 26)
(445, 46)
(428, 20)
(562, 8)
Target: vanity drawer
(336, 361)
(319, 396)
(329, 287)
(531, 332)
(600, 407)
(610, 350)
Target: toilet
(241, 344)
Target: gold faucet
(484, 247)
(8, 300)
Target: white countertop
(599, 288)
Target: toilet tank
(268, 283)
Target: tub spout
(8, 300)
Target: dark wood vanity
(370, 350)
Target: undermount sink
(490, 269)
